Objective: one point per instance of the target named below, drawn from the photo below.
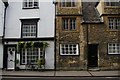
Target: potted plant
(45, 44)
(21, 44)
(28, 44)
(17, 63)
(41, 62)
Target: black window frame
(29, 21)
(34, 2)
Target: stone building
(87, 35)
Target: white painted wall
(45, 25)
(1, 17)
(15, 13)
(1, 56)
(1, 32)
(49, 56)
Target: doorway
(11, 58)
(93, 55)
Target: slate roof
(90, 14)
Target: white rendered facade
(43, 15)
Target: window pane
(72, 24)
(35, 3)
(117, 22)
(112, 3)
(30, 3)
(113, 48)
(32, 55)
(111, 21)
(65, 24)
(74, 4)
(68, 3)
(29, 30)
(62, 3)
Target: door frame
(97, 55)
(5, 56)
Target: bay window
(31, 55)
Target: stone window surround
(110, 3)
(65, 2)
(112, 23)
(69, 27)
(113, 48)
(76, 52)
(29, 4)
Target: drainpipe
(55, 3)
(87, 43)
(6, 5)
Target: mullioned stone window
(68, 3)
(69, 23)
(114, 23)
(112, 2)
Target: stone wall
(98, 33)
(101, 35)
(69, 62)
(69, 11)
(112, 10)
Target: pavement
(24, 73)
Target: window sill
(28, 37)
(113, 54)
(31, 8)
(112, 6)
(69, 7)
(70, 31)
(69, 54)
(113, 30)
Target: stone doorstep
(94, 69)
